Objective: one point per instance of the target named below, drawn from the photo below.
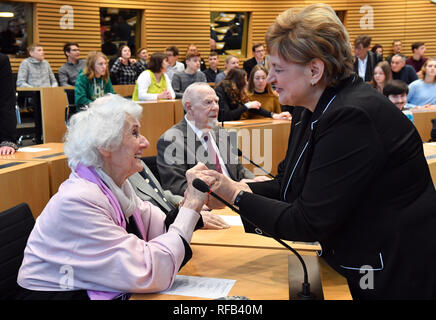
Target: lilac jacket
(76, 245)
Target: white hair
(100, 126)
(190, 93)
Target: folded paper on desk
(30, 149)
(232, 220)
(201, 287)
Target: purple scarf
(89, 173)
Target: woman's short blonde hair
(314, 32)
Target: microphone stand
(255, 164)
(305, 294)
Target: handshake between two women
(218, 183)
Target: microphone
(255, 164)
(305, 294)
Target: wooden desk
(157, 117)
(264, 141)
(25, 181)
(124, 90)
(430, 155)
(179, 112)
(235, 236)
(422, 121)
(260, 274)
(55, 158)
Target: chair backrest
(15, 226)
(70, 95)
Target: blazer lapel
(140, 183)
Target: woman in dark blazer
(8, 117)
(354, 178)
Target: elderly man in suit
(196, 138)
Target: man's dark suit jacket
(373, 59)
(181, 146)
(355, 179)
(8, 118)
(248, 65)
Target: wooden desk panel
(422, 121)
(430, 155)
(179, 112)
(260, 274)
(53, 103)
(124, 90)
(264, 141)
(157, 117)
(25, 182)
(56, 160)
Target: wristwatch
(238, 198)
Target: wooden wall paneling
(180, 22)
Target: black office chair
(15, 226)
(71, 108)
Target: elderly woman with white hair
(95, 238)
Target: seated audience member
(417, 59)
(148, 188)
(185, 144)
(378, 49)
(70, 70)
(230, 63)
(396, 91)
(191, 74)
(234, 101)
(8, 118)
(401, 70)
(174, 65)
(35, 71)
(260, 90)
(365, 60)
(108, 47)
(192, 49)
(125, 70)
(154, 84)
(422, 93)
(142, 55)
(128, 245)
(382, 74)
(258, 50)
(213, 69)
(396, 49)
(94, 81)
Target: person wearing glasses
(258, 58)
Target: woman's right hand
(225, 187)
(253, 105)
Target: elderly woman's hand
(195, 199)
(5, 150)
(225, 187)
(213, 221)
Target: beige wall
(179, 22)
